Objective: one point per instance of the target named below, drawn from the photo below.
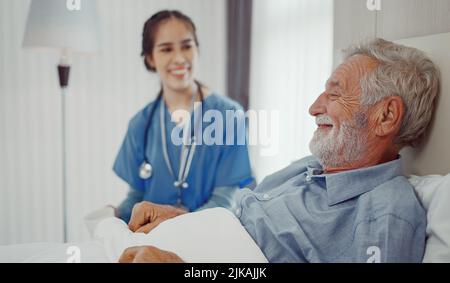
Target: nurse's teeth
(179, 72)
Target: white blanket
(212, 235)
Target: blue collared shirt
(300, 214)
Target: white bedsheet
(212, 235)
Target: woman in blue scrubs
(156, 168)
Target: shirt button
(237, 212)
(266, 196)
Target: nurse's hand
(148, 254)
(146, 216)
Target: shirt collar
(349, 184)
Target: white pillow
(434, 194)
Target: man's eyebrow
(332, 82)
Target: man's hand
(148, 254)
(146, 216)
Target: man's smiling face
(342, 131)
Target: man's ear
(149, 60)
(389, 115)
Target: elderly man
(349, 202)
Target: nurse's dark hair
(151, 28)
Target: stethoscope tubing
(187, 152)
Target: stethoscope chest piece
(145, 170)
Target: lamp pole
(63, 73)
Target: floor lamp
(67, 28)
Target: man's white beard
(336, 148)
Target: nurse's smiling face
(174, 55)
(343, 126)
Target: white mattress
(212, 235)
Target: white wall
(105, 90)
(292, 43)
(396, 19)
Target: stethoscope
(187, 150)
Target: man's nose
(319, 106)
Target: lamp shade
(54, 24)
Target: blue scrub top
(212, 165)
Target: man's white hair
(402, 71)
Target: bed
(225, 240)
